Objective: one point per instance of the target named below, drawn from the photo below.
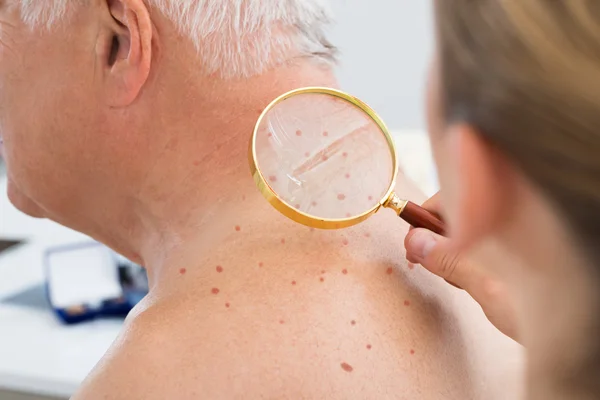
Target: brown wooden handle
(419, 217)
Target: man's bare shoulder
(341, 330)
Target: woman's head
(515, 125)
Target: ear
(125, 50)
(484, 179)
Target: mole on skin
(353, 322)
(182, 271)
(227, 305)
(368, 347)
(407, 303)
(219, 269)
(215, 290)
(344, 271)
(322, 279)
(346, 367)
(238, 228)
(389, 271)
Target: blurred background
(63, 297)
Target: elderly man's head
(94, 93)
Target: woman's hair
(526, 74)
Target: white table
(39, 355)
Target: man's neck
(201, 182)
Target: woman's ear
(125, 50)
(480, 199)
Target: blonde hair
(526, 74)
(236, 38)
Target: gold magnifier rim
(287, 209)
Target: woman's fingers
(433, 252)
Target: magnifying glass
(325, 159)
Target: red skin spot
(368, 347)
(298, 132)
(345, 271)
(347, 367)
(325, 158)
(323, 271)
(281, 321)
(367, 234)
(345, 242)
(196, 163)
(322, 279)
(325, 133)
(341, 196)
(407, 303)
(219, 269)
(293, 282)
(307, 154)
(273, 178)
(412, 351)
(244, 198)
(345, 154)
(260, 264)
(182, 271)
(370, 198)
(282, 241)
(348, 215)
(311, 229)
(297, 206)
(411, 265)
(353, 322)
(389, 271)
(237, 228)
(347, 176)
(227, 305)
(270, 134)
(314, 203)
(215, 290)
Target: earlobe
(127, 60)
(484, 185)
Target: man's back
(276, 310)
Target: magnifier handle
(419, 217)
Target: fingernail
(421, 244)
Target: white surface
(83, 275)
(41, 356)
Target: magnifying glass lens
(324, 156)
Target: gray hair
(236, 38)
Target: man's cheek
(22, 202)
